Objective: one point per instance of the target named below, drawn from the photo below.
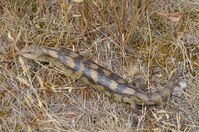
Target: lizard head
(32, 52)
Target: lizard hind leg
(131, 103)
(133, 106)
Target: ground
(149, 37)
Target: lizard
(100, 78)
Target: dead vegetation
(154, 36)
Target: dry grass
(121, 36)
